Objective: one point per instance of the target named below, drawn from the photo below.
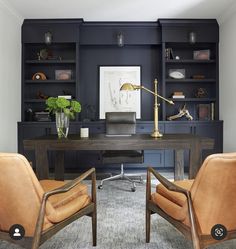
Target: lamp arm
(159, 96)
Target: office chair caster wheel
(100, 187)
(133, 189)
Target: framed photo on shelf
(63, 74)
(204, 112)
(111, 99)
(201, 54)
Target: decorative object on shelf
(201, 93)
(120, 40)
(39, 76)
(192, 37)
(63, 74)
(177, 74)
(178, 95)
(40, 95)
(43, 54)
(64, 110)
(28, 114)
(212, 111)
(201, 54)
(48, 38)
(198, 77)
(131, 87)
(204, 112)
(183, 112)
(177, 57)
(42, 116)
(169, 54)
(110, 97)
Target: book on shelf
(178, 96)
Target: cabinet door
(212, 130)
(175, 127)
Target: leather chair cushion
(172, 203)
(175, 197)
(65, 204)
(62, 199)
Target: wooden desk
(178, 142)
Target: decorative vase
(62, 124)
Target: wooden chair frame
(41, 236)
(192, 233)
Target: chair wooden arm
(172, 187)
(169, 185)
(68, 186)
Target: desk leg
(41, 160)
(195, 158)
(59, 165)
(179, 165)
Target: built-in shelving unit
(82, 47)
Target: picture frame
(111, 99)
(204, 112)
(177, 73)
(201, 54)
(65, 74)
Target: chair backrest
(120, 123)
(20, 193)
(214, 192)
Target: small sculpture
(182, 112)
(201, 93)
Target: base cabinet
(160, 159)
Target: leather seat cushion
(175, 197)
(62, 199)
(169, 207)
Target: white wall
(228, 79)
(10, 77)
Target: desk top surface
(103, 142)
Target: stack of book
(178, 95)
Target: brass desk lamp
(131, 87)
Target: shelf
(191, 61)
(190, 81)
(35, 100)
(194, 100)
(50, 61)
(49, 81)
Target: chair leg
(94, 227)
(148, 225)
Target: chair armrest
(169, 185)
(68, 186)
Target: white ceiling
(120, 10)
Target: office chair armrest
(169, 185)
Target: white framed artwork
(111, 99)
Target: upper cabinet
(178, 30)
(103, 33)
(33, 31)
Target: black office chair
(123, 124)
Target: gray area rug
(121, 225)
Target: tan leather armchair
(197, 207)
(42, 208)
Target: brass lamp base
(156, 134)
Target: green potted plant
(64, 110)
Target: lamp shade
(129, 87)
